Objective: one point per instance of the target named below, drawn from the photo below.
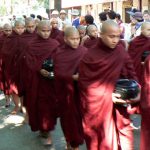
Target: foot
(68, 147)
(46, 138)
(15, 110)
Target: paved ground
(14, 135)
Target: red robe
(91, 42)
(136, 49)
(37, 93)
(66, 63)
(99, 70)
(2, 80)
(145, 107)
(55, 33)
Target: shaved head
(145, 29)
(44, 23)
(44, 29)
(7, 26)
(81, 27)
(145, 25)
(19, 23)
(7, 29)
(69, 31)
(92, 31)
(107, 25)
(28, 20)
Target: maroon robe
(60, 38)
(55, 33)
(99, 70)
(136, 49)
(66, 63)
(2, 79)
(91, 42)
(12, 50)
(37, 93)
(145, 107)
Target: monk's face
(82, 33)
(30, 27)
(19, 29)
(93, 32)
(111, 37)
(146, 31)
(7, 31)
(73, 40)
(44, 32)
(54, 24)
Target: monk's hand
(116, 98)
(75, 77)
(44, 73)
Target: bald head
(7, 29)
(70, 31)
(54, 23)
(81, 27)
(19, 26)
(92, 31)
(30, 25)
(145, 29)
(19, 23)
(44, 29)
(44, 23)
(145, 25)
(72, 37)
(28, 20)
(107, 25)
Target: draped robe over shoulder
(145, 107)
(37, 51)
(91, 42)
(136, 49)
(66, 61)
(98, 72)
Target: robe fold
(91, 42)
(135, 50)
(98, 72)
(66, 61)
(145, 107)
(11, 51)
(55, 33)
(39, 91)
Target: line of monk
(79, 88)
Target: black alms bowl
(144, 55)
(127, 88)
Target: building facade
(94, 7)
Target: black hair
(89, 19)
(111, 14)
(102, 16)
(118, 16)
(32, 15)
(39, 17)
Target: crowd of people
(57, 68)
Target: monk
(66, 61)
(7, 31)
(90, 40)
(145, 99)
(39, 93)
(138, 46)
(10, 53)
(104, 126)
(55, 33)
(30, 25)
(82, 31)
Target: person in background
(75, 18)
(63, 17)
(146, 16)
(32, 15)
(55, 14)
(120, 23)
(111, 15)
(39, 17)
(82, 31)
